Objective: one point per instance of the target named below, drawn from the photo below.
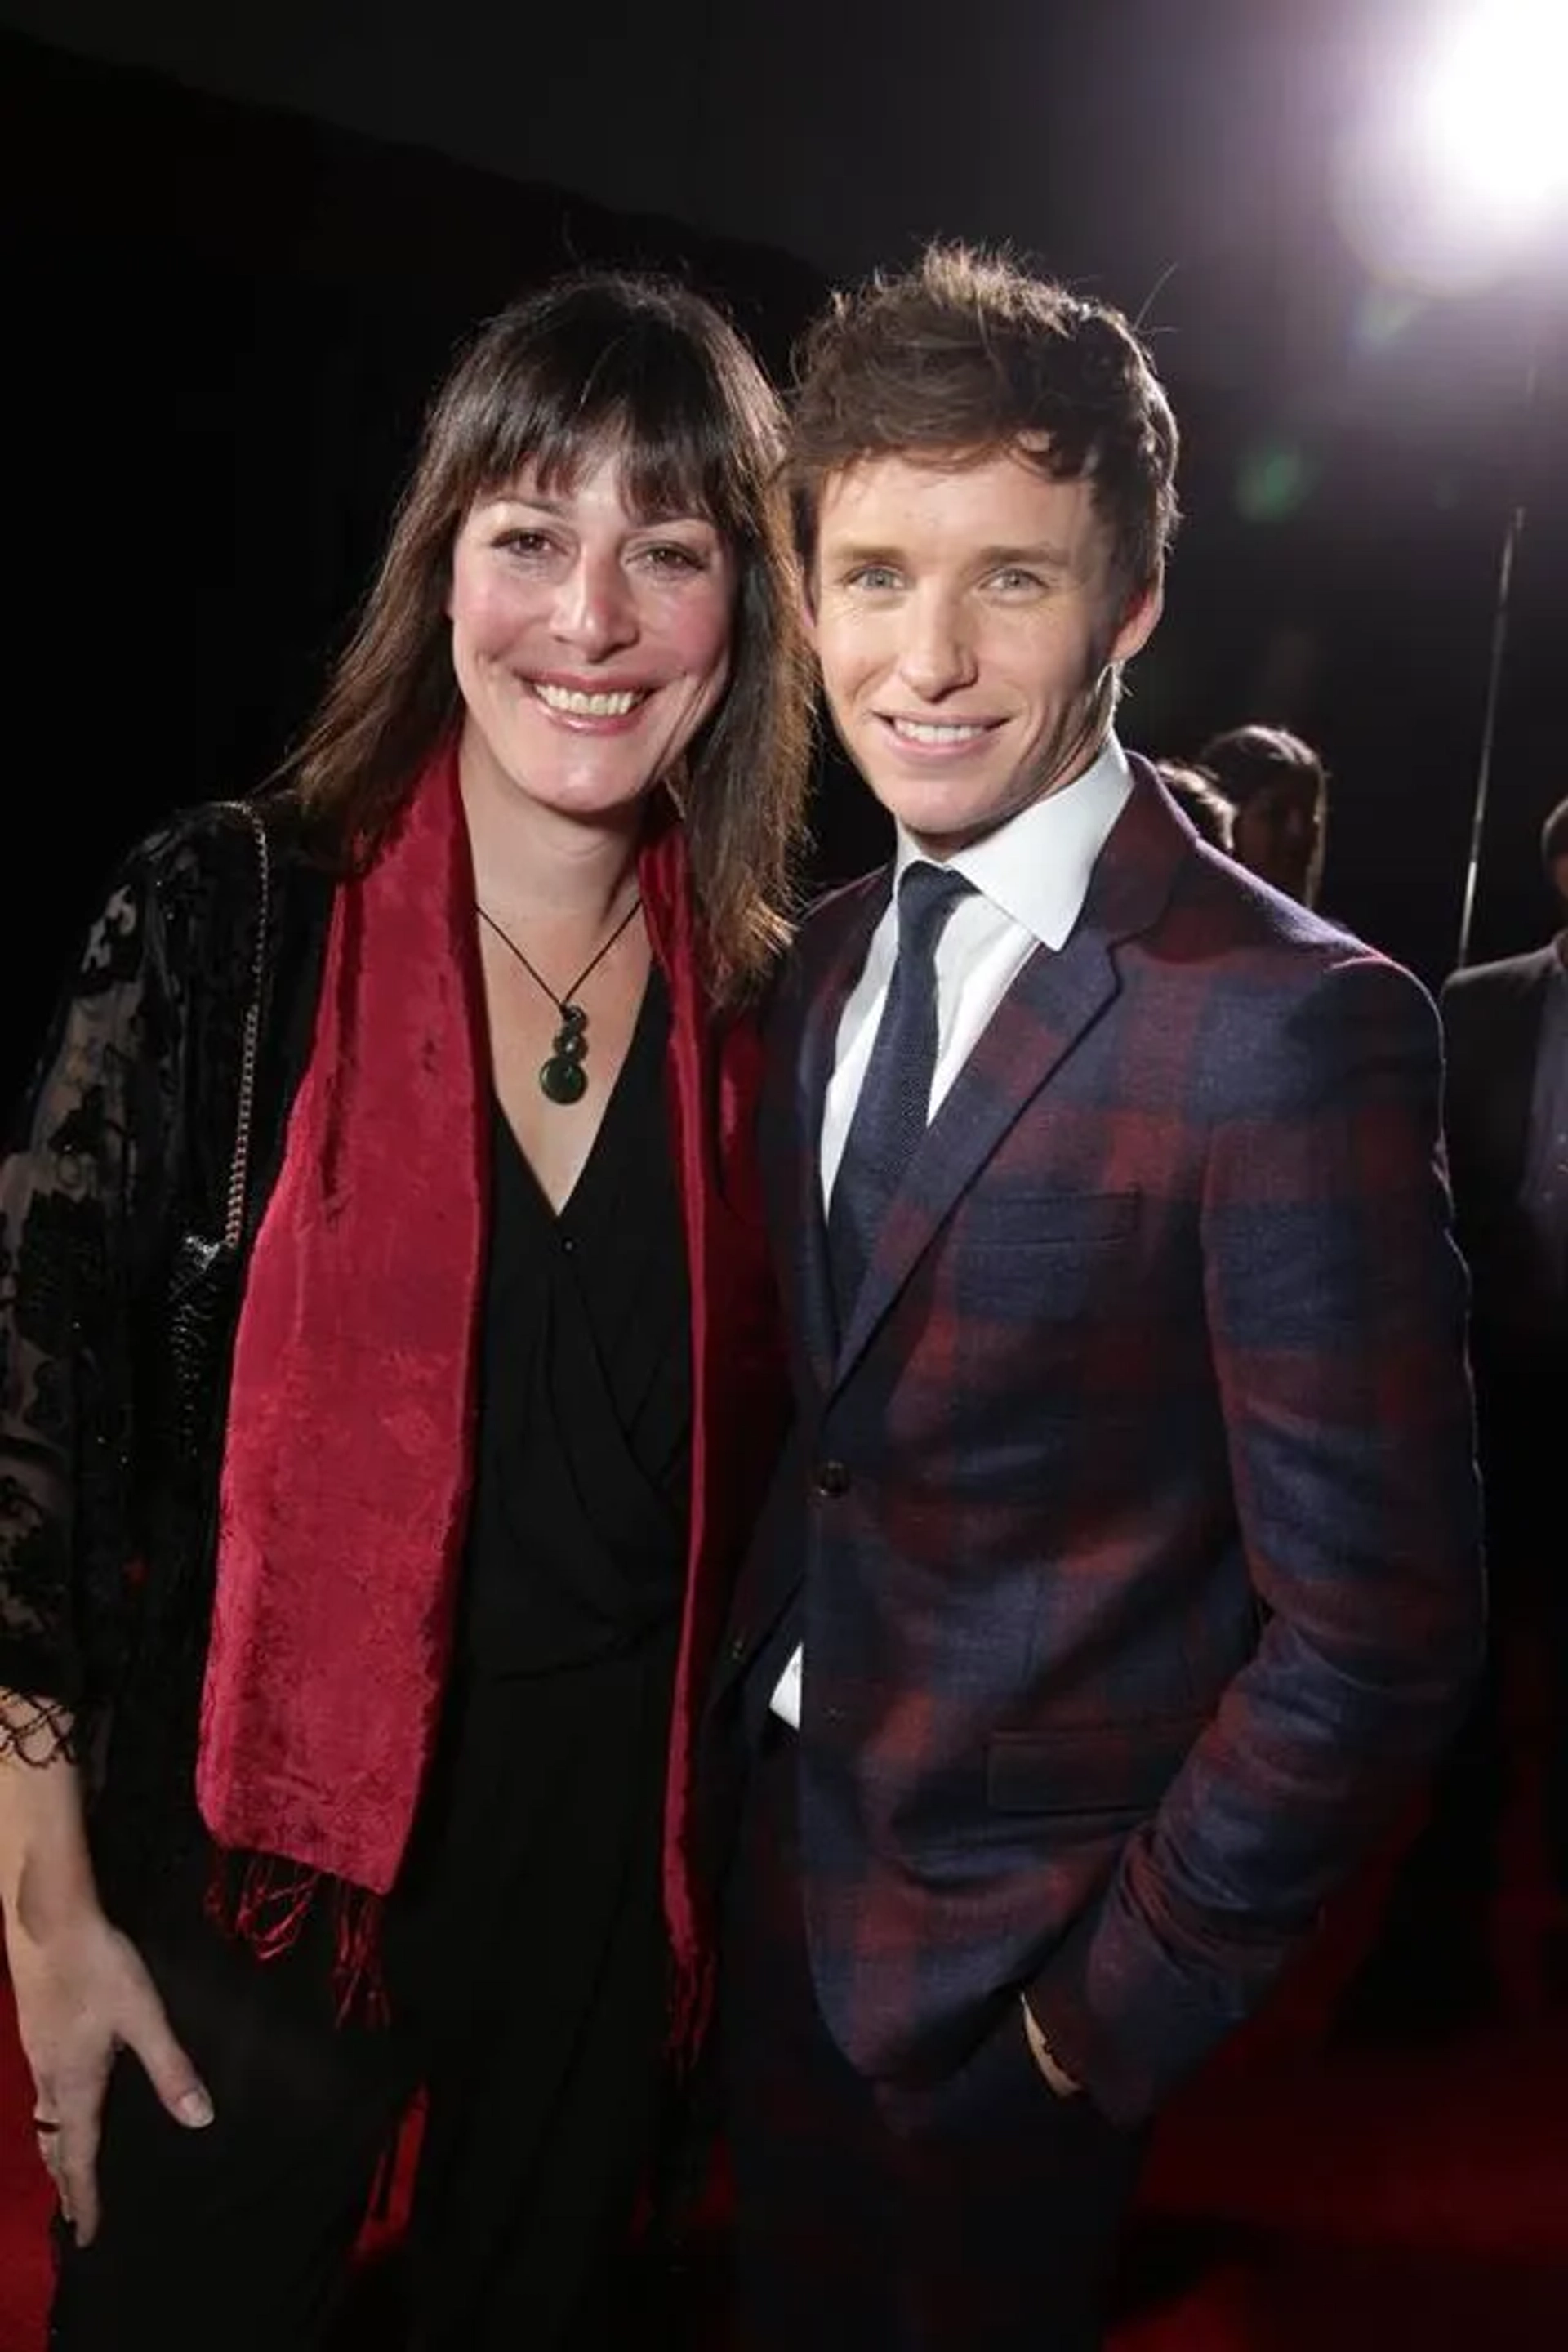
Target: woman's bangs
(640, 399)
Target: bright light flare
(1463, 177)
(1491, 110)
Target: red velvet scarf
(347, 1460)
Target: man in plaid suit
(1122, 1574)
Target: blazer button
(831, 1478)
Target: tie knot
(927, 895)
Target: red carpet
(1299, 2196)
(24, 2204)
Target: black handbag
(203, 1271)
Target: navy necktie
(894, 1103)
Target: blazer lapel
(1055, 999)
(1051, 1004)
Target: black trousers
(976, 2214)
(1436, 1937)
(525, 1963)
(1521, 1394)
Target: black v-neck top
(577, 1540)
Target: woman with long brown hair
(386, 1377)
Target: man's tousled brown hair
(967, 354)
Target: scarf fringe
(263, 1901)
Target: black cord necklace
(562, 1078)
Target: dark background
(241, 245)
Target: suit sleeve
(1336, 1309)
(1458, 1007)
(1491, 1019)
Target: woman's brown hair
(595, 362)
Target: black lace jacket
(122, 1146)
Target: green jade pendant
(562, 1080)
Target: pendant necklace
(562, 1078)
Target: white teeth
(923, 732)
(586, 706)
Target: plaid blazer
(1133, 1520)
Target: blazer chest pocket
(1100, 1774)
(1089, 1222)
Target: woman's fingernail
(195, 2109)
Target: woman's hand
(83, 1994)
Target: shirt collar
(1035, 868)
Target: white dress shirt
(1029, 881)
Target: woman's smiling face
(590, 641)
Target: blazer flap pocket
(1103, 1769)
(1052, 1220)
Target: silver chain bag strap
(203, 1271)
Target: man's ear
(805, 605)
(1140, 618)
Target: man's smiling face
(965, 615)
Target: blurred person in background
(1506, 1120)
(1200, 799)
(1278, 788)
